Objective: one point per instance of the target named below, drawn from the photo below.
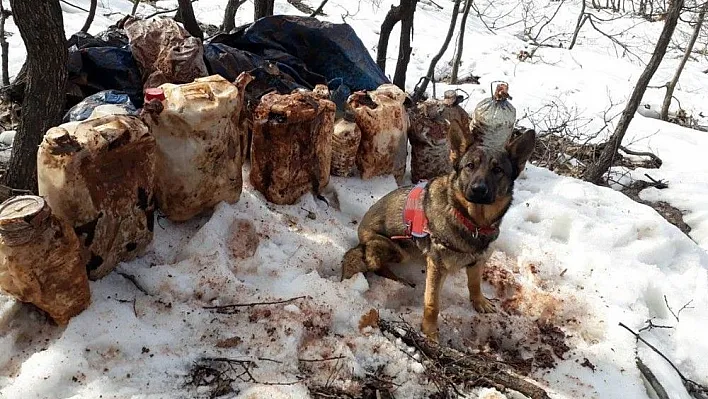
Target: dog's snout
(480, 189)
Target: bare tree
(41, 26)
(185, 14)
(582, 18)
(230, 14)
(404, 49)
(671, 86)
(4, 45)
(392, 18)
(431, 69)
(262, 8)
(595, 172)
(91, 15)
(460, 43)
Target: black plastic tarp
(317, 51)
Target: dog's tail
(353, 262)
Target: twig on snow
(686, 306)
(74, 5)
(133, 280)
(326, 359)
(455, 366)
(695, 389)
(226, 308)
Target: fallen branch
(653, 381)
(695, 389)
(653, 157)
(133, 280)
(464, 368)
(74, 5)
(318, 11)
(227, 308)
(659, 184)
(326, 359)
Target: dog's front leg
(435, 276)
(474, 284)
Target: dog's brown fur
(450, 246)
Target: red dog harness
(416, 221)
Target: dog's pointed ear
(520, 150)
(457, 150)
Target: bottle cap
(20, 215)
(155, 93)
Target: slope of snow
(570, 254)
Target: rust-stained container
(198, 134)
(291, 150)
(98, 175)
(430, 152)
(345, 145)
(383, 122)
(459, 136)
(41, 259)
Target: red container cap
(154, 94)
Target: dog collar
(476, 230)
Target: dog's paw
(483, 305)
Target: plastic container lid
(155, 93)
(20, 215)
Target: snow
(570, 254)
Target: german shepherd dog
(461, 212)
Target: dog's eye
(470, 165)
(497, 170)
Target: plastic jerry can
(291, 150)
(430, 150)
(41, 259)
(198, 133)
(383, 121)
(345, 145)
(98, 174)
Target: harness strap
(413, 214)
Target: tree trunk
(230, 15)
(595, 172)
(420, 91)
(392, 18)
(186, 16)
(460, 43)
(263, 8)
(91, 15)
(581, 21)
(41, 26)
(689, 48)
(4, 45)
(405, 49)
(136, 3)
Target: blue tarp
(83, 110)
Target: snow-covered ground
(570, 255)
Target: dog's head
(482, 174)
